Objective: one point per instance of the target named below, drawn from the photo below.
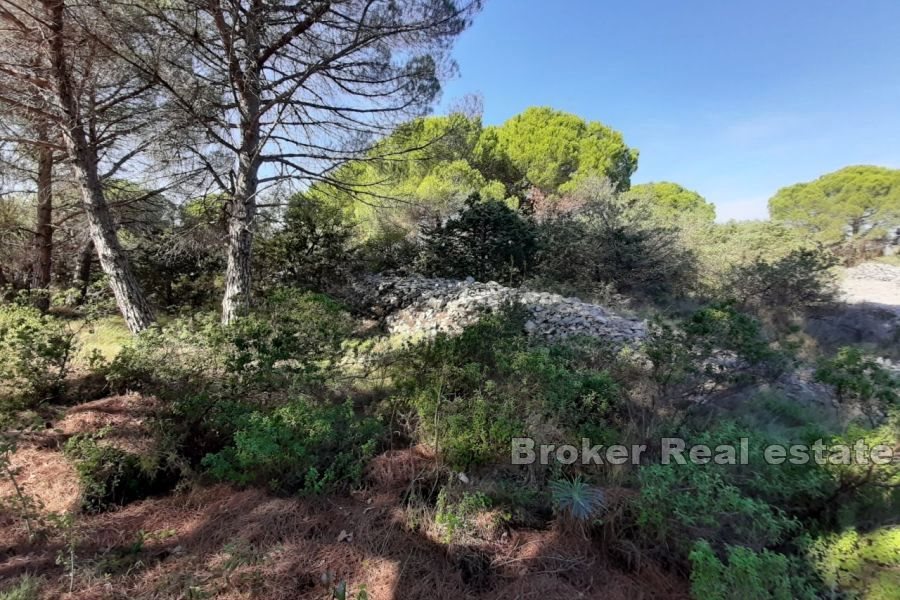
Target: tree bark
(238, 273)
(43, 234)
(129, 297)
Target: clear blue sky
(733, 99)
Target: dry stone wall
(410, 305)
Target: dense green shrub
(865, 495)
(35, 354)
(608, 238)
(172, 360)
(390, 248)
(756, 505)
(472, 393)
(456, 514)
(111, 477)
(292, 336)
(863, 565)
(792, 283)
(486, 240)
(748, 575)
(299, 446)
(716, 345)
(680, 503)
(314, 248)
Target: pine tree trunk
(129, 297)
(238, 273)
(43, 234)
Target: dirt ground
(221, 542)
(872, 283)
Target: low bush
(712, 348)
(777, 289)
(474, 392)
(456, 514)
(292, 337)
(866, 565)
(611, 239)
(300, 446)
(110, 477)
(35, 354)
(314, 249)
(171, 360)
(681, 503)
(757, 505)
(748, 574)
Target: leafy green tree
(852, 205)
(315, 246)
(795, 282)
(724, 249)
(556, 150)
(487, 240)
(670, 201)
(611, 239)
(428, 167)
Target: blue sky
(731, 99)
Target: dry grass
(221, 542)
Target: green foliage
(171, 360)
(671, 202)
(455, 516)
(747, 574)
(681, 503)
(35, 352)
(26, 587)
(292, 336)
(176, 252)
(299, 446)
(795, 282)
(314, 247)
(556, 151)
(472, 393)
(849, 206)
(757, 504)
(861, 565)
(486, 240)
(110, 477)
(715, 344)
(427, 168)
(859, 379)
(869, 494)
(576, 498)
(611, 239)
(721, 249)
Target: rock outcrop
(417, 305)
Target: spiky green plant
(577, 498)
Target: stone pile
(416, 305)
